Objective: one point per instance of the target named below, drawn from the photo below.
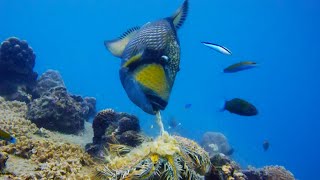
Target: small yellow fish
(7, 137)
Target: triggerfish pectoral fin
(180, 16)
(116, 47)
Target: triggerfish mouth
(150, 60)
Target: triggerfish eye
(150, 60)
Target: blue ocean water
(281, 35)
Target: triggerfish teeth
(150, 60)
(218, 48)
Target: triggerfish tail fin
(116, 47)
(181, 14)
(222, 106)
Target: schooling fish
(240, 66)
(150, 60)
(218, 48)
(7, 137)
(240, 107)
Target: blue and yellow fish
(7, 137)
(150, 60)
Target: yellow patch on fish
(132, 60)
(153, 76)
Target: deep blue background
(281, 35)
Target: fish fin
(116, 47)
(132, 60)
(180, 15)
(222, 106)
(13, 140)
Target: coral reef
(41, 158)
(17, 77)
(48, 80)
(269, 172)
(3, 159)
(224, 168)
(56, 109)
(215, 143)
(168, 157)
(111, 127)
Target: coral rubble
(56, 109)
(168, 157)
(215, 143)
(17, 77)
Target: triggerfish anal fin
(116, 47)
(180, 16)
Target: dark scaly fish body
(150, 60)
(240, 107)
(240, 66)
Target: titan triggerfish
(150, 60)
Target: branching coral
(168, 157)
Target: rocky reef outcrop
(268, 172)
(215, 143)
(111, 127)
(225, 168)
(17, 77)
(56, 109)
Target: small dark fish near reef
(266, 145)
(7, 137)
(150, 60)
(187, 106)
(240, 107)
(218, 48)
(240, 66)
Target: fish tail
(13, 140)
(222, 106)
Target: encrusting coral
(47, 158)
(168, 157)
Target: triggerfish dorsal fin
(180, 16)
(116, 47)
